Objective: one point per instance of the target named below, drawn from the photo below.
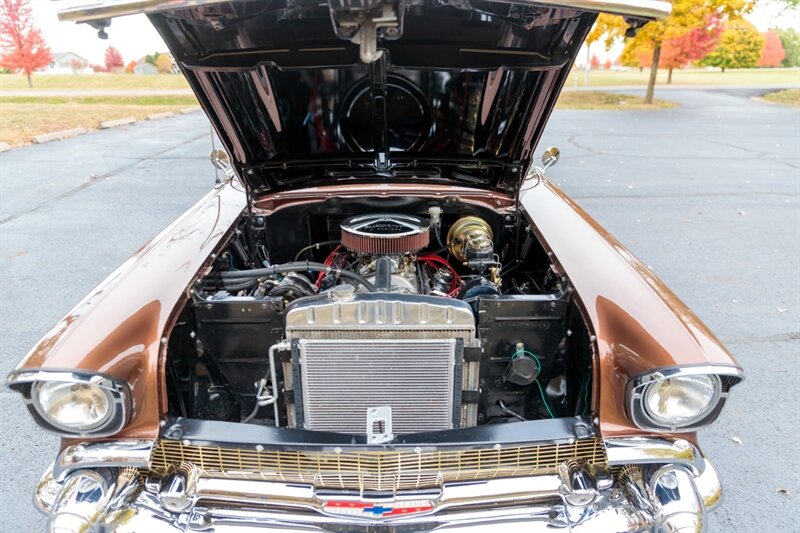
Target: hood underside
(308, 93)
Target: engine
(392, 323)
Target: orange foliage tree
(773, 53)
(22, 45)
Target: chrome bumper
(663, 486)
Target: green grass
(790, 97)
(23, 117)
(607, 101)
(10, 82)
(101, 100)
(761, 76)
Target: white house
(68, 63)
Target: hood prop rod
(380, 126)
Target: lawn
(607, 101)
(23, 117)
(762, 76)
(9, 82)
(790, 97)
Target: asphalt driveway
(707, 194)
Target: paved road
(707, 194)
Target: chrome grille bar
(376, 470)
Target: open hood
(307, 93)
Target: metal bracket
(379, 424)
(365, 27)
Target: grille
(375, 470)
(342, 379)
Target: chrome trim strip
(645, 450)
(93, 11)
(649, 9)
(121, 453)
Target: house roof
(61, 55)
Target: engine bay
(380, 317)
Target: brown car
(383, 317)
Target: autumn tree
(164, 64)
(76, 65)
(686, 15)
(22, 45)
(130, 68)
(636, 54)
(790, 40)
(772, 53)
(113, 59)
(739, 47)
(691, 46)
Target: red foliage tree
(113, 59)
(22, 45)
(691, 46)
(773, 53)
(130, 68)
(594, 62)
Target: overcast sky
(135, 37)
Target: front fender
(638, 323)
(117, 330)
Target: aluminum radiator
(355, 353)
(343, 379)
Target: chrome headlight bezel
(637, 388)
(117, 392)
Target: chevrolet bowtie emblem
(378, 510)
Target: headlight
(74, 404)
(75, 407)
(680, 399)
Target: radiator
(374, 351)
(343, 379)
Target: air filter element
(385, 234)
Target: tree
(739, 47)
(113, 59)
(691, 46)
(164, 64)
(686, 15)
(76, 65)
(636, 53)
(790, 39)
(130, 68)
(772, 54)
(594, 62)
(22, 45)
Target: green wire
(585, 397)
(520, 353)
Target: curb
(4, 147)
(114, 123)
(57, 135)
(190, 110)
(158, 116)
